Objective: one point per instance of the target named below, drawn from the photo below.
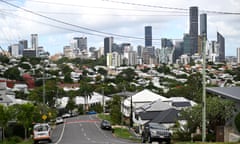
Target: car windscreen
(41, 128)
(156, 126)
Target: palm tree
(86, 90)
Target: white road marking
(61, 134)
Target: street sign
(44, 117)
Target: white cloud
(110, 17)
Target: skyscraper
(166, 43)
(187, 44)
(23, 44)
(221, 42)
(203, 24)
(108, 43)
(194, 29)
(238, 55)
(81, 43)
(34, 41)
(148, 36)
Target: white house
(96, 98)
(140, 99)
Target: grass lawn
(13, 142)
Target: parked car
(41, 133)
(59, 120)
(91, 112)
(105, 124)
(66, 115)
(155, 132)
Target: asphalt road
(84, 130)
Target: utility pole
(44, 90)
(131, 113)
(103, 102)
(204, 90)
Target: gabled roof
(167, 116)
(149, 115)
(144, 96)
(157, 105)
(226, 92)
(181, 104)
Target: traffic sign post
(44, 117)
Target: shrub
(237, 122)
(15, 139)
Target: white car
(41, 133)
(59, 120)
(66, 115)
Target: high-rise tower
(221, 42)
(34, 41)
(108, 43)
(81, 43)
(194, 29)
(203, 25)
(148, 36)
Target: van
(41, 133)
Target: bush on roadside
(180, 135)
(15, 139)
(237, 121)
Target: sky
(57, 22)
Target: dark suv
(155, 132)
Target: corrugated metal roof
(227, 92)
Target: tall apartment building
(81, 43)
(34, 41)
(187, 44)
(221, 42)
(203, 25)
(108, 43)
(23, 44)
(33, 50)
(148, 36)
(14, 50)
(238, 55)
(113, 59)
(68, 52)
(193, 30)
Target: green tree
(4, 59)
(163, 69)
(194, 84)
(5, 117)
(25, 116)
(71, 103)
(115, 107)
(25, 66)
(218, 111)
(86, 90)
(126, 75)
(12, 73)
(102, 71)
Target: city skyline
(114, 17)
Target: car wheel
(143, 140)
(149, 139)
(168, 141)
(35, 142)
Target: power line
(117, 8)
(171, 8)
(98, 14)
(66, 23)
(59, 27)
(69, 24)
